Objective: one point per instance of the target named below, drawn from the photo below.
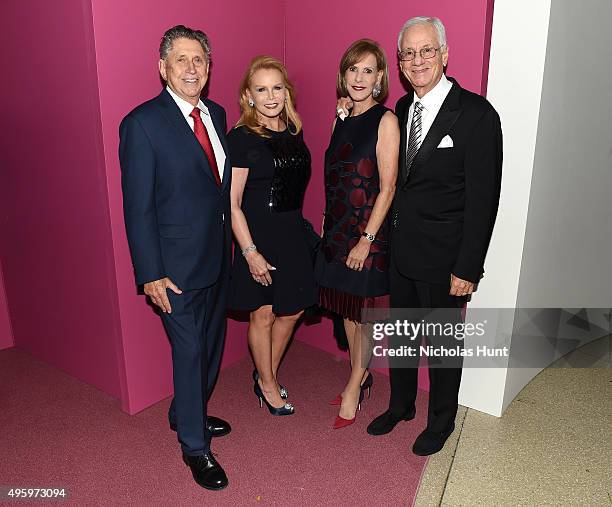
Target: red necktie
(202, 135)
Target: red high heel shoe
(341, 422)
(366, 385)
(336, 401)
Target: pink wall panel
(56, 243)
(6, 333)
(127, 37)
(66, 263)
(315, 41)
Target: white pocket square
(446, 142)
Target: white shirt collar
(185, 106)
(433, 98)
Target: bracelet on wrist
(249, 249)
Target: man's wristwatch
(369, 237)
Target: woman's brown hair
(248, 116)
(355, 53)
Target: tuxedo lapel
(174, 116)
(445, 119)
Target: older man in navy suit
(176, 181)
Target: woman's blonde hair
(248, 115)
(356, 52)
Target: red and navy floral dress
(352, 185)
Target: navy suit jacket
(177, 218)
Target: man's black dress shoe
(385, 422)
(217, 427)
(430, 442)
(206, 471)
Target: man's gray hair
(181, 31)
(423, 20)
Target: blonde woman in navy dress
(360, 173)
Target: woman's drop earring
(251, 103)
(376, 90)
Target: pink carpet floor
(56, 431)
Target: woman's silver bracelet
(248, 249)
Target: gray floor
(551, 447)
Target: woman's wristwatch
(369, 237)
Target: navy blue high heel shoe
(286, 409)
(284, 394)
(367, 383)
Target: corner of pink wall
(55, 229)
(6, 330)
(114, 309)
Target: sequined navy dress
(279, 170)
(352, 185)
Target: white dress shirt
(186, 108)
(431, 102)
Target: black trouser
(196, 328)
(445, 377)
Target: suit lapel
(221, 135)
(403, 121)
(445, 119)
(174, 116)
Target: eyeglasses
(407, 55)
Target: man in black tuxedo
(176, 181)
(444, 211)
